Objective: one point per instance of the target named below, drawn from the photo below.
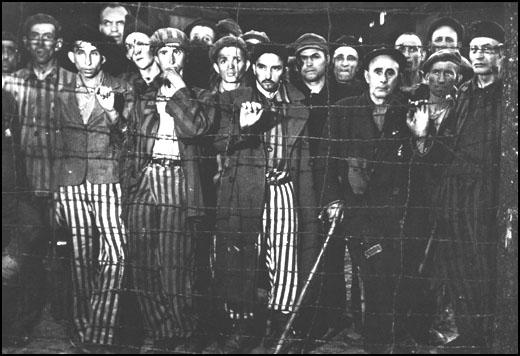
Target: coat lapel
(297, 115)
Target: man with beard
(258, 264)
(163, 203)
(201, 34)
(466, 241)
(345, 65)
(410, 45)
(89, 191)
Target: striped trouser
(97, 266)
(161, 251)
(280, 227)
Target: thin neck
(317, 86)
(225, 86)
(150, 72)
(485, 80)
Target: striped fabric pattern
(35, 99)
(161, 251)
(280, 224)
(97, 266)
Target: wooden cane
(288, 326)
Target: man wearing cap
(370, 150)
(411, 47)
(261, 194)
(228, 27)
(165, 208)
(87, 175)
(466, 244)
(345, 67)
(197, 70)
(447, 32)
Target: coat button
(269, 149)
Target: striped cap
(163, 36)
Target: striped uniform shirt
(35, 99)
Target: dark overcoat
(242, 191)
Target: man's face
(346, 61)
(231, 64)
(313, 64)
(411, 47)
(444, 37)
(112, 23)
(268, 71)
(202, 34)
(87, 58)
(484, 55)
(171, 56)
(381, 76)
(442, 77)
(137, 46)
(42, 43)
(9, 56)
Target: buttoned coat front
(242, 190)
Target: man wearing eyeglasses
(410, 45)
(467, 235)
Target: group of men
(214, 178)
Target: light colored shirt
(166, 144)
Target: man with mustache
(261, 219)
(346, 61)
(410, 46)
(366, 181)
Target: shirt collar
(31, 72)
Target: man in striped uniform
(89, 190)
(259, 203)
(34, 89)
(163, 198)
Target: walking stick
(304, 290)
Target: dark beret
(133, 24)
(347, 41)
(200, 22)
(487, 29)
(392, 52)
(446, 21)
(279, 49)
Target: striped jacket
(37, 121)
(193, 112)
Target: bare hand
(358, 174)
(10, 267)
(105, 97)
(418, 120)
(250, 113)
(174, 82)
(333, 211)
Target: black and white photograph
(259, 177)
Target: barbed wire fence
(504, 330)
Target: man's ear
(248, 63)
(25, 42)
(103, 60)
(254, 69)
(366, 76)
(59, 44)
(427, 77)
(71, 56)
(215, 67)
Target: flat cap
(446, 21)
(261, 48)
(226, 41)
(444, 55)
(310, 40)
(163, 36)
(385, 51)
(347, 41)
(487, 29)
(257, 35)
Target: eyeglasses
(485, 49)
(47, 38)
(408, 49)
